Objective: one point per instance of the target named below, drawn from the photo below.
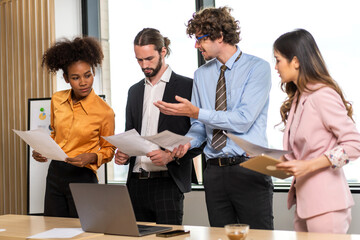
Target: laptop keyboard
(144, 227)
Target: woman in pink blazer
(320, 132)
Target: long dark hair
(152, 36)
(301, 44)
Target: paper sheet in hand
(263, 160)
(253, 150)
(168, 140)
(42, 143)
(131, 143)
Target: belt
(222, 162)
(147, 175)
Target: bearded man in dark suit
(157, 182)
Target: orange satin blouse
(78, 128)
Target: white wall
(195, 212)
(67, 18)
(68, 24)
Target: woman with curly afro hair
(78, 120)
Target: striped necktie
(219, 138)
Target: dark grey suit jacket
(181, 171)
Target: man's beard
(154, 71)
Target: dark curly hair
(216, 22)
(65, 52)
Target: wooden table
(22, 226)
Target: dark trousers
(156, 200)
(58, 199)
(237, 195)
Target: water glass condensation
(237, 231)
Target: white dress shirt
(150, 120)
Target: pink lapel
(288, 124)
(296, 118)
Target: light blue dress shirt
(248, 83)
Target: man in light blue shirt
(233, 194)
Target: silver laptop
(107, 209)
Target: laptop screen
(104, 208)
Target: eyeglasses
(201, 37)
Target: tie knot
(223, 68)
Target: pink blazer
(320, 123)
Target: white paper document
(131, 143)
(168, 140)
(254, 150)
(42, 143)
(58, 233)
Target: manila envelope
(266, 165)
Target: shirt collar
(85, 103)
(164, 78)
(230, 63)
(66, 97)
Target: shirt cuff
(95, 165)
(204, 115)
(99, 159)
(337, 157)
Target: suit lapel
(169, 96)
(287, 127)
(296, 119)
(139, 106)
